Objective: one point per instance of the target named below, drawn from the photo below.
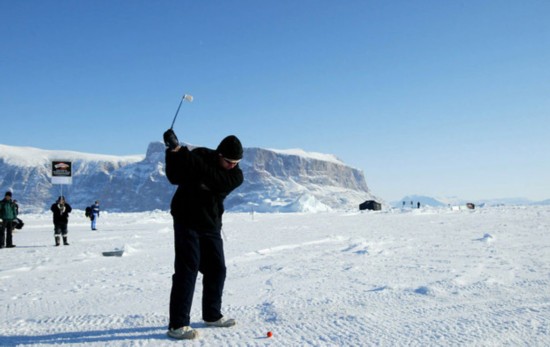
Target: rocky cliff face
(288, 182)
(275, 181)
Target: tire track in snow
(278, 249)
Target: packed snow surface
(414, 277)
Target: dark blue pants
(196, 251)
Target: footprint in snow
(378, 289)
(360, 249)
(486, 238)
(422, 290)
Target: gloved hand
(170, 139)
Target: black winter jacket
(60, 215)
(202, 187)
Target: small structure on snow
(470, 206)
(115, 253)
(370, 205)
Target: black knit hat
(231, 148)
(8, 193)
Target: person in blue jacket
(204, 178)
(95, 214)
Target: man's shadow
(84, 337)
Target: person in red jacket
(204, 177)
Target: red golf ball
(269, 334)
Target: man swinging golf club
(204, 178)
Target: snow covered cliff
(275, 181)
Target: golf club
(185, 97)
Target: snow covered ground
(427, 277)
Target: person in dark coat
(8, 214)
(204, 177)
(61, 210)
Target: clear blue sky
(442, 98)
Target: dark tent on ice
(370, 205)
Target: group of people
(9, 209)
(412, 204)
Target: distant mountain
(275, 181)
(506, 201)
(439, 202)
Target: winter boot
(57, 240)
(222, 323)
(184, 333)
(65, 241)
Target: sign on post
(62, 172)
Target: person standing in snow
(95, 214)
(61, 210)
(204, 177)
(8, 214)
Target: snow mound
(486, 238)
